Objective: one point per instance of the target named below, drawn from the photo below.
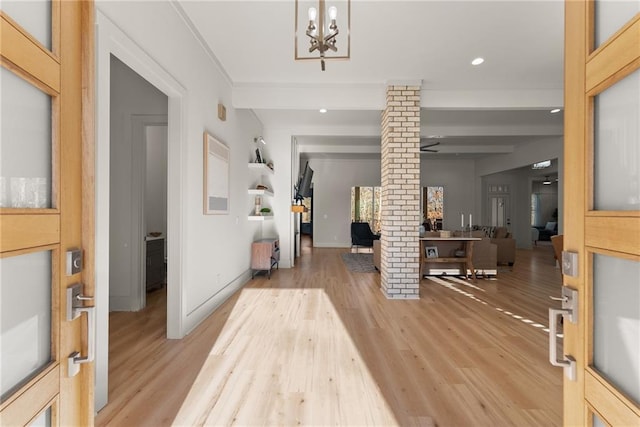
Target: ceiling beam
(371, 97)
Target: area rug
(359, 263)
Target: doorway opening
(138, 188)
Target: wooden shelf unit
(464, 243)
(261, 169)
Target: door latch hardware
(569, 312)
(75, 308)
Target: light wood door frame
(588, 72)
(66, 74)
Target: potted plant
(265, 211)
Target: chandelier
(322, 29)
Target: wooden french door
(46, 209)
(602, 211)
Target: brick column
(400, 192)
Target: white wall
(279, 151)
(501, 169)
(155, 193)
(548, 196)
(131, 98)
(539, 149)
(520, 203)
(332, 182)
(215, 248)
(458, 179)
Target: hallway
(461, 355)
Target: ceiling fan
(427, 148)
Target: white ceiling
(503, 102)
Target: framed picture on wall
(216, 176)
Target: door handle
(75, 308)
(91, 336)
(569, 312)
(567, 362)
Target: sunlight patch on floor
(284, 358)
(451, 282)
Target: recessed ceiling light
(323, 110)
(477, 61)
(555, 110)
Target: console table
(447, 246)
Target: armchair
(361, 235)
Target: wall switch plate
(74, 261)
(570, 263)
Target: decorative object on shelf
(155, 233)
(265, 211)
(259, 139)
(259, 156)
(258, 207)
(322, 30)
(445, 234)
(216, 176)
(431, 251)
(261, 187)
(270, 165)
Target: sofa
(545, 233)
(502, 238)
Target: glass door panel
(32, 15)
(43, 420)
(25, 317)
(26, 144)
(597, 422)
(610, 16)
(616, 148)
(616, 322)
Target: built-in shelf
(260, 217)
(261, 167)
(256, 192)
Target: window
(535, 209)
(366, 203)
(433, 204)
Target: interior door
(499, 205)
(602, 218)
(46, 53)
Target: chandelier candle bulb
(462, 221)
(333, 13)
(313, 13)
(470, 221)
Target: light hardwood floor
(318, 345)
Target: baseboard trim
(331, 245)
(204, 310)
